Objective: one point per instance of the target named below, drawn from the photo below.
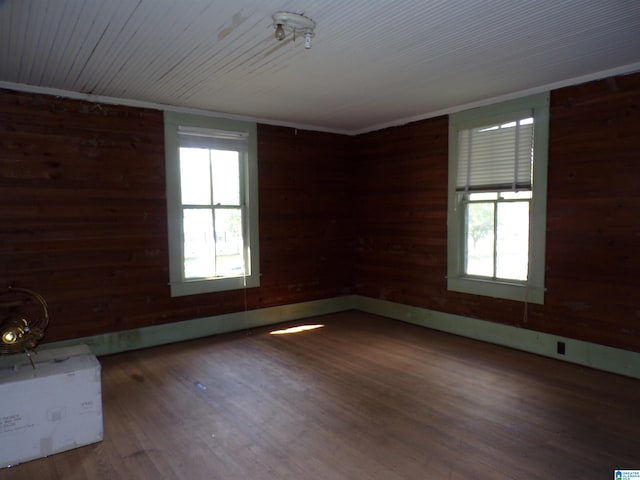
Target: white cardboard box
(55, 407)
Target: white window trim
(180, 286)
(533, 290)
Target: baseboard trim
(134, 339)
(601, 357)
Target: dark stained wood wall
(83, 216)
(593, 214)
(306, 215)
(401, 213)
(82, 210)
(593, 220)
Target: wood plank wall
(306, 226)
(593, 227)
(83, 216)
(82, 210)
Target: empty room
(319, 240)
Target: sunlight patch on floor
(298, 329)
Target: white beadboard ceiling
(373, 63)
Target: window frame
(531, 290)
(180, 286)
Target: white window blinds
(194, 137)
(496, 157)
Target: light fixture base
(294, 23)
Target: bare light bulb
(280, 33)
(307, 40)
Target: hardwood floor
(361, 398)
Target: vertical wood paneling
(593, 233)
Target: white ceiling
(373, 63)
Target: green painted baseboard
(614, 360)
(116, 342)
(592, 355)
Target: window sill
(508, 291)
(195, 287)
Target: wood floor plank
(362, 397)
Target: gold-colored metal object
(14, 330)
(24, 322)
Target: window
(211, 171)
(497, 199)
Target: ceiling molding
(624, 70)
(158, 106)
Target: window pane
(194, 176)
(513, 240)
(479, 242)
(199, 244)
(483, 196)
(229, 241)
(225, 173)
(526, 194)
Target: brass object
(13, 331)
(24, 321)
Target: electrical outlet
(561, 348)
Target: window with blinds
(497, 199)
(496, 157)
(210, 138)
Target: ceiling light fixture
(294, 23)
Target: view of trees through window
(497, 235)
(212, 213)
